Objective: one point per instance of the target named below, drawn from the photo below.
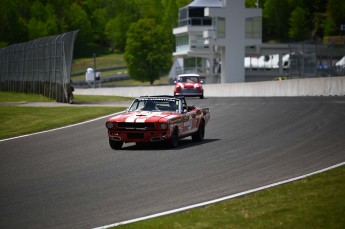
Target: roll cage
(160, 103)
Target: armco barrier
(331, 86)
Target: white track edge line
(219, 199)
(60, 128)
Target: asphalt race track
(71, 178)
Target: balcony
(195, 21)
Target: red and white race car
(157, 119)
(189, 85)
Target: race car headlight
(177, 88)
(164, 126)
(109, 125)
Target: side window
(134, 106)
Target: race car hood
(144, 116)
(189, 85)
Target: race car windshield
(188, 79)
(155, 105)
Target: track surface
(70, 178)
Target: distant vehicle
(157, 119)
(189, 85)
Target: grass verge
(161, 81)
(17, 121)
(314, 202)
(13, 97)
(99, 98)
(104, 61)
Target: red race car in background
(157, 119)
(189, 85)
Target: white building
(211, 39)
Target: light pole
(94, 70)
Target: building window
(254, 28)
(182, 42)
(220, 25)
(192, 64)
(196, 41)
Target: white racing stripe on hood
(141, 119)
(181, 85)
(145, 115)
(131, 119)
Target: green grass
(162, 81)
(99, 98)
(17, 120)
(108, 61)
(13, 97)
(314, 202)
(104, 61)
(103, 74)
(20, 98)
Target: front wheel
(174, 139)
(115, 144)
(199, 135)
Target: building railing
(195, 21)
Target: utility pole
(94, 70)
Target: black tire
(199, 135)
(174, 140)
(115, 144)
(201, 96)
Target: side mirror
(201, 81)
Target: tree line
(103, 24)
(298, 20)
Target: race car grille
(136, 125)
(189, 90)
(135, 135)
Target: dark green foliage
(43, 21)
(298, 25)
(103, 24)
(275, 18)
(335, 16)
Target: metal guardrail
(41, 66)
(101, 70)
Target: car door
(190, 122)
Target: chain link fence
(303, 59)
(42, 66)
(312, 59)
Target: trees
(120, 16)
(104, 23)
(298, 25)
(275, 19)
(334, 17)
(148, 53)
(12, 29)
(77, 19)
(43, 21)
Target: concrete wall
(330, 86)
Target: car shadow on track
(184, 144)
